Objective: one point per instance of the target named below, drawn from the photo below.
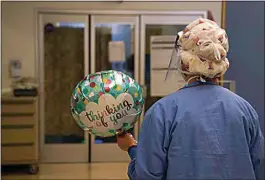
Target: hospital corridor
(89, 89)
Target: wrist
(132, 151)
(132, 144)
(131, 147)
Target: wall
(18, 25)
(245, 28)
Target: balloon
(106, 102)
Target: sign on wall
(15, 67)
(116, 51)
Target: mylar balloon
(106, 102)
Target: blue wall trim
(245, 29)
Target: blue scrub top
(199, 132)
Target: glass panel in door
(155, 30)
(155, 25)
(64, 67)
(108, 30)
(105, 34)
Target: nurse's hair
(203, 48)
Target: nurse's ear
(184, 68)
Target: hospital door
(108, 33)
(63, 40)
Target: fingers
(130, 136)
(120, 133)
(125, 135)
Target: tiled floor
(75, 171)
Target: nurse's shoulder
(239, 102)
(165, 104)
